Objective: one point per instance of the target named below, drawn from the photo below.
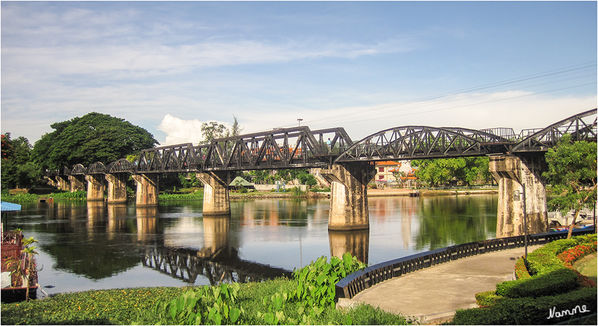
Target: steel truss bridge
(301, 147)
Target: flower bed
(570, 256)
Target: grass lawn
(127, 306)
(587, 266)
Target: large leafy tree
(90, 138)
(444, 171)
(571, 176)
(17, 169)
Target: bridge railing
(356, 282)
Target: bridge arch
(96, 168)
(79, 169)
(121, 166)
(580, 126)
(413, 142)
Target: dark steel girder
(79, 169)
(413, 142)
(96, 168)
(581, 126)
(121, 166)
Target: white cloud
(180, 131)
(512, 109)
(147, 58)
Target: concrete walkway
(434, 294)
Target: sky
(365, 66)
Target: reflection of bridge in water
(187, 264)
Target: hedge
(487, 298)
(531, 310)
(559, 281)
(521, 271)
(545, 260)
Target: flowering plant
(569, 256)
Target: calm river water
(86, 246)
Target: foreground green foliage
(307, 299)
(555, 282)
(270, 302)
(120, 306)
(204, 305)
(529, 310)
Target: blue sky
(365, 66)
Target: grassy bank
(33, 198)
(133, 306)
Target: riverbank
(130, 306)
(198, 195)
(429, 192)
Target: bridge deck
(434, 294)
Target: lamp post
(525, 222)
(299, 121)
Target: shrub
(203, 305)
(530, 310)
(75, 195)
(543, 260)
(19, 198)
(571, 255)
(559, 281)
(316, 281)
(488, 298)
(521, 271)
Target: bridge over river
(516, 162)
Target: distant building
(386, 174)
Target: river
(85, 246)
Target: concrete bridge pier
(77, 183)
(348, 198)
(117, 188)
(62, 184)
(147, 189)
(215, 192)
(51, 182)
(95, 187)
(356, 242)
(512, 172)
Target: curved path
(434, 294)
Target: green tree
(212, 130)
(235, 130)
(571, 176)
(17, 168)
(445, 171)
(88, 139)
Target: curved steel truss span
(412, 142)
(581, 126)
(301, 147)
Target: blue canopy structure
(10, 207)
